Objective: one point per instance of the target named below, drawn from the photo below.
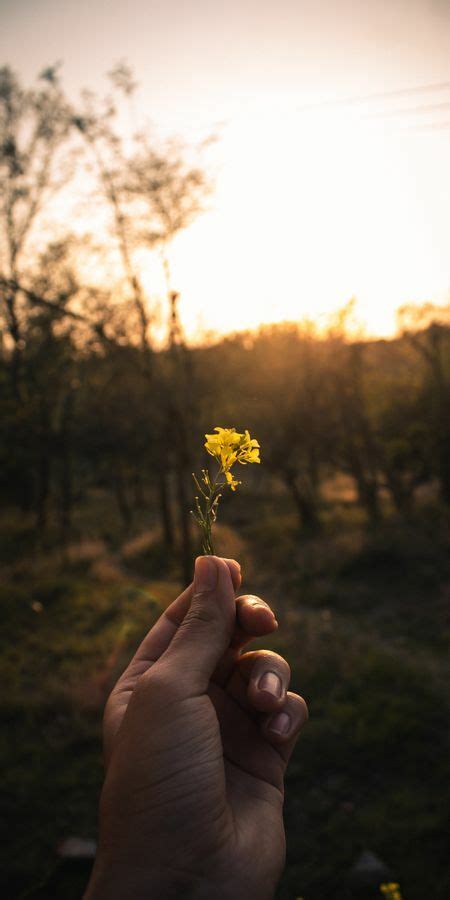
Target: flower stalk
(227, 447)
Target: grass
(58, 665)
(364, 625)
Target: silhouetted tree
(34, 124)
(428, 330)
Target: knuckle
(305, 709)
(157, 682)
(252, 600)
(199, 613)
(277, 662)
(300, 706)
(108, 710)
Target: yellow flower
(229, 447)
(233, 482)
(391, 890)
(225, 438)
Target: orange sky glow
(332, 166)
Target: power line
(382, 95)
(408, 110)
(429, 126)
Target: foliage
(372, 764)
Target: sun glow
(319, 198)
(311, 210)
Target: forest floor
(364, 623)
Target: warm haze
(323, 127)
(317, 199)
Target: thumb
(205, 632)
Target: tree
(152, 194)
(297, 437)
(427, 328)
(357, 449)
(34, 124)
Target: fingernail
(205, 574)
(271, 683)
(281, 723)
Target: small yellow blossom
(232, 481)
(391, 890)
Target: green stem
(205, 518)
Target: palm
(240, 762)
(242, 744)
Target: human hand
(197, 738)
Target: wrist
(110, 882)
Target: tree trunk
(443, 440)
(444, 472)
(366, 486)
(184, 518)
(43, 491)
(43, 470)
(402, 493)
(66, 488)
(368, 497)
(165, 511)
(16, 356)
(138, 489)
(123, 505)
(305, 500)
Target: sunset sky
(317, 198)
